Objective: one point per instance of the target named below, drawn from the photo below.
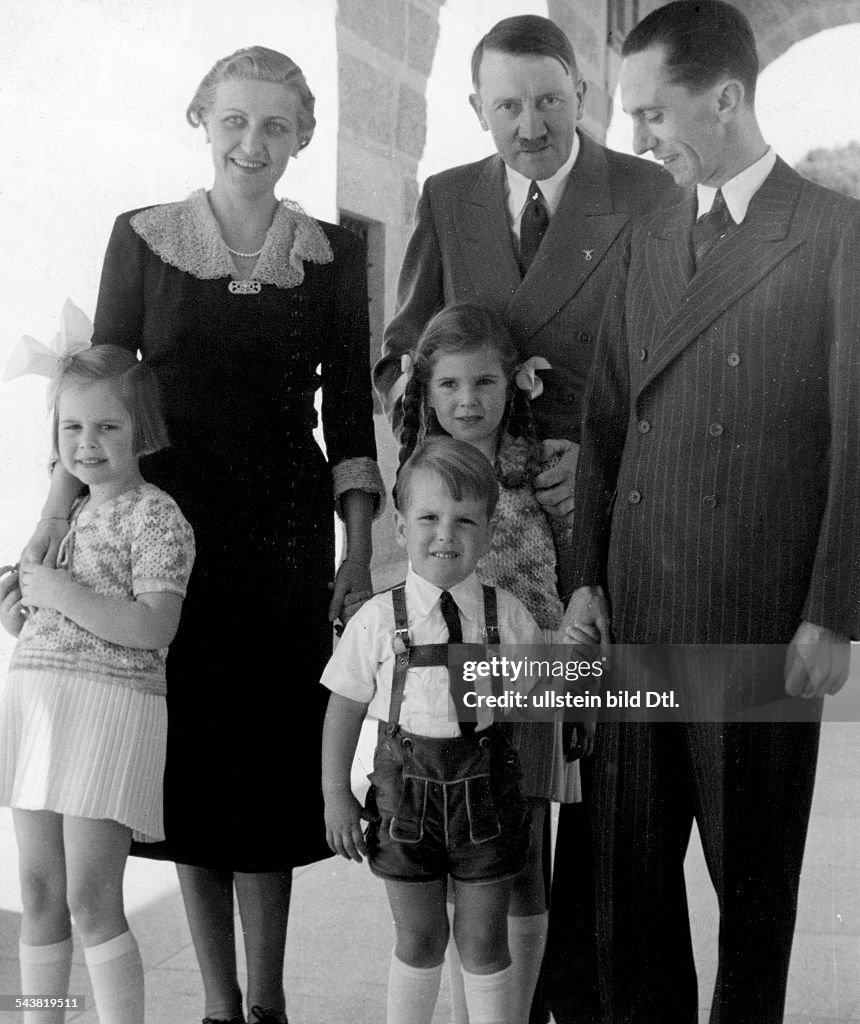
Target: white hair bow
(527, 380)
(31, 356)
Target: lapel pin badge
(588, 254)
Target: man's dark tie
(533, 226)
(451, 615)
(711, 227)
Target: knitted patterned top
(522, 556)
(136, 543)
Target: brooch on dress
(252, 287)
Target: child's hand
(42, 587)
(343, 833)
(12, 612)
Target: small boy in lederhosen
(445, 798)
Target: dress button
(634, 497)
(710, 501)
(644, 426)
(733, 359)
(715, 429)
(643, 354)
(584, 337)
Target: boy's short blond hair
(465, 471)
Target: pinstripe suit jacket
(461, 251)
(718, 490)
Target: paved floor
(340, 934)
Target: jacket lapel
(579, 235)
(750, 252)
(481, 220)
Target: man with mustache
(530, 233)
(533, 234)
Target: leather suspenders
(407, 655)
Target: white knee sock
(45, 972)
(412, 992)
(488, 997)
(526, 941)
(116, 974)
(459, 1013)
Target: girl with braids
(466, 380)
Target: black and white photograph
(430, 512)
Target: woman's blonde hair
(256, 64)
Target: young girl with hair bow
(83, 715)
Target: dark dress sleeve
(120, 306)
(347, 401)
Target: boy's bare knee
(482, 945)
(422, 947)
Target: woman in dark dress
(244, 306)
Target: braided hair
(463, 327)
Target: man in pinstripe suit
(718, 503)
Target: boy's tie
(711, 227)
(533, 226)
(451, 615)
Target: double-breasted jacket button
(715, 429)
(643, 354)
(710, 501)
(584, 337)
(634, 497)
(733, 359)
(644, 426)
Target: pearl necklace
(245, 255)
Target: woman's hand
(43, 587)
(351, 587)
(12, 612)
(44, 546)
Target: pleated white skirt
(83, 747)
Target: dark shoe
(215, 1020)
(261, 1016)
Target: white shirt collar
(518, 185)
(422, 597)
(740, 189)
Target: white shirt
(552, 188)
(738, 191)
(362, 665)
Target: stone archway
(777, 24)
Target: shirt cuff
(359, 474)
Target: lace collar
(186, 235)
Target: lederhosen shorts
(444, 806)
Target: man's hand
(554, 486)
(817, 661)
(587, 616)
